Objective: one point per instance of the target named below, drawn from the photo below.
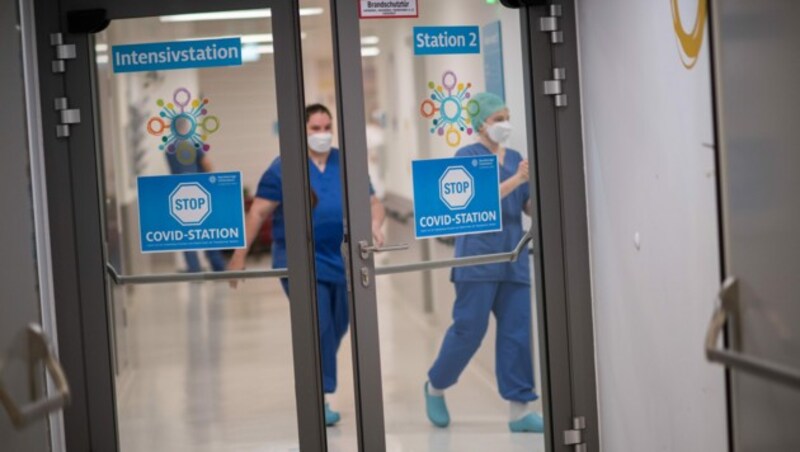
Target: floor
(207, 368)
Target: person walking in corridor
(502, 289)
(328, 224)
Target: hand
(235, 264)
(377, 236)
(522, 172)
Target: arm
(378, 216)
(205, 165)
(520, 178)
(259, 211)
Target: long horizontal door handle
(123, 280)
(736, 360)
(510, 256)
(39, 349)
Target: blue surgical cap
(484, 105)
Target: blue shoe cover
(331, 417)
(436, 409)
(531, 422)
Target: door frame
(76, 192)
(560, 229)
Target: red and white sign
(387, 9)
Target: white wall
(650, 171)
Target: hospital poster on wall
(387, 9)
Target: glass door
(214, 348)
(434, 111)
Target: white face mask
(320, 142)
(499, 132)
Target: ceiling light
(262, 50)
(245, 39)
(252, 52)
(370, 51)
(259, 38)
(101, 47)
(254, 39)
(370, 40)
(311, 11)
(232, 15)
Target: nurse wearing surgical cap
(502, 289)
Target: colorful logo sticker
(450, 108)
(184, 126)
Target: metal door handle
(122, 280)
(39, 349)
(734, 360)
(495, 258)
(367, 249)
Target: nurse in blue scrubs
(501, 289)
(324, 164)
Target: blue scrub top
(327, 217)
(497, 242)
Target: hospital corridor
(399, 226)
(230, 355)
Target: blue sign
(163, 56)
(185, 212)
(493, 59)
(447, 40)
(456, 196)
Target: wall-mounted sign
(493, 59)
(387, 9)
(447, 40)
(185, 212)
(456, 196)
(163, 56)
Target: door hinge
(67, 116)
(574, 437)
(550, 24)
(555, 87)
(64, 52)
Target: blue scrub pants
(333, 322)
(214, 258)
(511, 305)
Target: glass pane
(200, 367)
(450, 83)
